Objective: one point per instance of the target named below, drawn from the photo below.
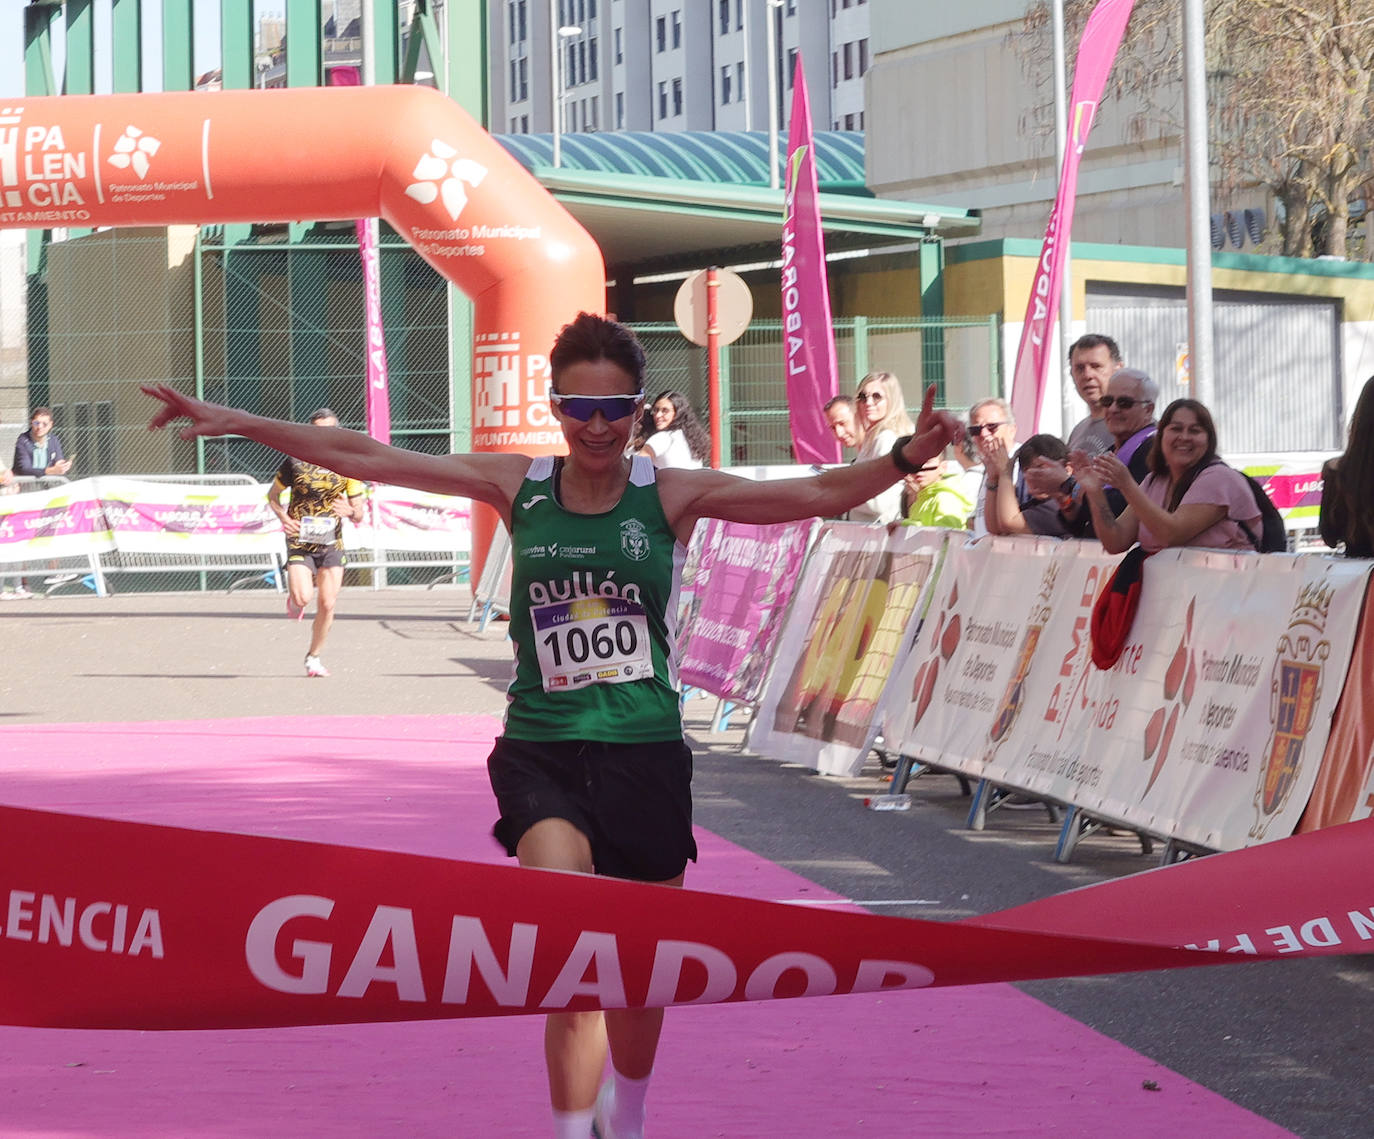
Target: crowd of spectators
(1122, 476)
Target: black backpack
(1273, 535)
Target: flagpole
(1198, 180)
(770, 8)
(1061, 136)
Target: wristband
(899, 460)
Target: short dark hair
(37, 411)
(834, 401)
(1096, 340)
(1042, 446)
(589, 338)
(322, 413)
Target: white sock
(627, 1109)
(572, 1124)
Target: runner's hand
(206, 418)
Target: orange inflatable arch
(406, 154)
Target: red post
(713, 363)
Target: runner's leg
(574, 1042)
(330, 581)
(300, 583)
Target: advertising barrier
(851, 617)
(740, 589)
(128, 516)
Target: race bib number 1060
(591, 640)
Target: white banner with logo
(105, 514)
(852, 616)
(1212, 724)
(398, 518)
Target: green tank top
(593, 615)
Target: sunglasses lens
(582, 408)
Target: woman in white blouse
(679, 439)
(883, 418)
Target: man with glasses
(1128, 409)
(38, 452)
(989, 420)
(1093, 360)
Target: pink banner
(378, 395)
(133, 926)
(808, 339)
(378, 403)
(1096, 52)
(743, 586)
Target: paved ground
(1286, 1039)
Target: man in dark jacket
(38, 451)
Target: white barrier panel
(63, 522)
(1212, 724)
(411, 520)
(172, 518)
(853, 614)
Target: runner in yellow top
(313, 520)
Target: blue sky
(206, 50)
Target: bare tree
(1290, 94)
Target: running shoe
(314, 667)
(605, 1102)
(294, 612)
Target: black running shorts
(316, 557)
(632, 801)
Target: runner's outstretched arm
(493, 479)
(689, 495)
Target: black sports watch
(900, 460)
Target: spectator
(839, 414)
(1129, 407)
(938, 497)
(1035, 513)
(679, 439)
(1347, 509)
(882, 419)
(1093, 360)
(990, 421)
(1189, 498)
(38, 452)
(8, 485)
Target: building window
(620, 110)
(677, 29)
(791, 7)
(591, 59)
(739, 14)
(849, 61)
(522, 28)
(677, 97)
(596, 115)
(849, 122)
(514, 81)
(591, 9)
(861, 120)
(791, 66)
(661, 30)
(524, 79)
(619, 45)
(724, 16)
(582, 61)
(835, 68)
(663, 100)
(524, 124)
(863, 57)
(582, 10)
(739, 80)
(725, 84)
(510, 8)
